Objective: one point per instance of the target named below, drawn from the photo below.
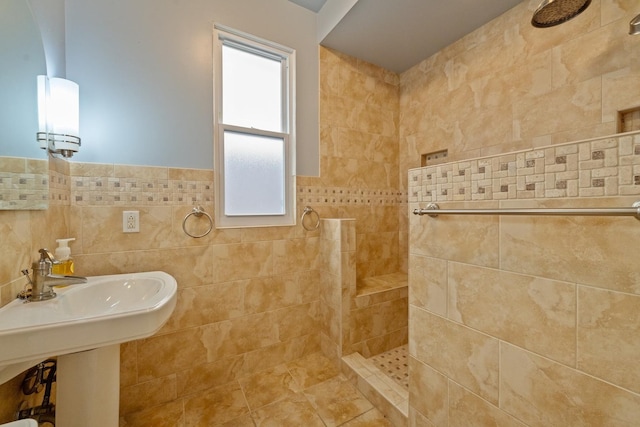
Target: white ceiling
(397, 34)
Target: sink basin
(84, 326)
(104, 311)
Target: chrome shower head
(555, 12)
(634, 26)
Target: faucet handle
(46, 255)
(42, 267)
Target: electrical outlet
(130, 221)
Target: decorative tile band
(59, 193)
(600, 167)
(96, 191)
(23, 190)
(99, 191)
(324, 196)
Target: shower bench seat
(383, 283)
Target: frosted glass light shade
(64, 106)
(58, 115)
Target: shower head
(634, 26)
(555, 12)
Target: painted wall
(22, 59)
(49, 15)
(146, 76)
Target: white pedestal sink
(84, 326)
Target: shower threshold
(389, 393)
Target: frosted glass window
(251, 89)
(254, 180)
(254, 132)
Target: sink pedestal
(88, 388)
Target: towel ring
(309, 210)
(197, 211)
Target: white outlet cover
(130, 221)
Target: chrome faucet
(43, 280)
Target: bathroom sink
(104, 311)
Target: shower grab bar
(433, 210)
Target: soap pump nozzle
(63, 251)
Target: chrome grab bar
(433, 210)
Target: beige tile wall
(338, 270)
(380, 326)
(352, 321)
(359, 169)
(509, 86)
(247, 299)
(528, 320)
(23, 233)
(525, 320)
(24, 183)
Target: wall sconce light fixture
(58, 115)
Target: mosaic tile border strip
(59, 193)
(110, 191)
(98, 191)
(123, 191)
(23, 189)
(600, 167)
(324, 196)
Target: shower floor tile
(394, 363)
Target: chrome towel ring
(197, 211)
(308, 210)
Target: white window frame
(225, 35)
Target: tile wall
(23, 233)
(24, 183)
(359, 119)
(338, 269)
(526, 320)
(247, 299)
(369, 323)
(509, 86)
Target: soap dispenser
(62, 254)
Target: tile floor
(307, 392)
